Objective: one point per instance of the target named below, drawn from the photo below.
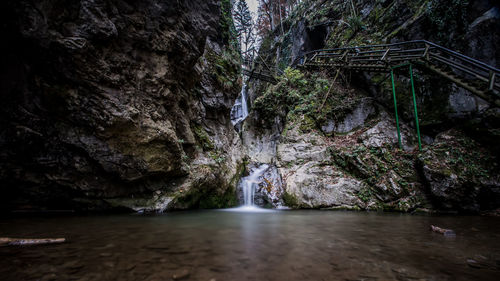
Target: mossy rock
(291, 200)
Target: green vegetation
(227, 25)
(355, 24)
(442, 16)
(389, 175)
(281, 98)
(203, 139)
(225, 68)
(290, 200)
(462, 156)
(365, 194)
(312, 98)
(216, 201)
(217, 156)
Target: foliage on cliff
(313, 95)
(459, 173)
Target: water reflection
(279, 245)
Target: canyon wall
(333, 138)
(118, 105)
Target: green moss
(225, 68)
(203, 139)
(298, 95)
(210, 191)
(365, 194)
(215, 201)
(307, 124)
(240, 172)
(291, 200)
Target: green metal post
(396, 108)
(415, 106)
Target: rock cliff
(117, 104)
(333, 138)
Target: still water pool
(278, 245)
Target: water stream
(239, 111)
(249, 185)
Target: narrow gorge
(250, 140)
(124, 106)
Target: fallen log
(5, 241)
(445, 232)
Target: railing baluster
(426, 52)
(385, 54)
(492, 80)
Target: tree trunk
(5, 241)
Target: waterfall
(240, 109)
(250, 183)
(244, 108)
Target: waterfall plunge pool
(276, 245)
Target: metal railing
(468, 73)
(473, 75)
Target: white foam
(249, 209)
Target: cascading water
(240, 109)
(250, 183)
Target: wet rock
(272, 186)
(184, 274)
(445, 232)
(153, 204)
(472, 263)
(260, 143)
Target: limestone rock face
(353, 120)
(314, 187)
(114, 100)
(260, 143)
(309, 179)
(385, 132)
